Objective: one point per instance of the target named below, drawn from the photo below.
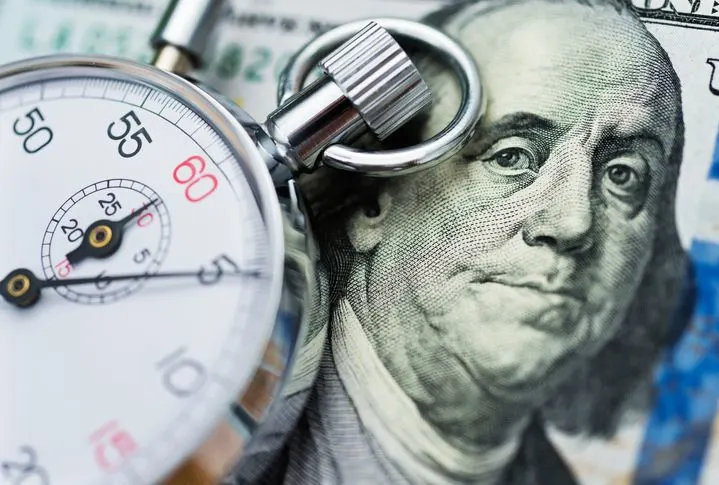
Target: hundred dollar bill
(539, 310)
(542, 308)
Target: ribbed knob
(379, 79)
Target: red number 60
(190, 173)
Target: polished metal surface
(369, 83)
(310, 122)
(270, 394)
(411, 159)
(379, 78)
(289, 356)
(189, 26)
(170, 58)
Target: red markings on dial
(199, 185)
(111, 445)
(63, 269)
(145, 219)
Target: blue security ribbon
(679, 429)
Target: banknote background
(258, 37)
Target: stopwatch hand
(22, 288)
(103, 238)
(134, 215)
(202, 276)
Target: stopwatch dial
(83, 229)
(111, 381)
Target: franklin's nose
(563, 220)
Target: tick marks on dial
(128, 230)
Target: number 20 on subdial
(144, 245)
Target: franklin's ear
(365, 228)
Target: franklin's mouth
(566, 292)
(556, 325)
(536, 283)
(552, 309)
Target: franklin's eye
(623, 177)
(511, 157)
(625, 181)
(512, 161)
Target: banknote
(538, 310)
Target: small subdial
(112, 227)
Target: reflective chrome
(379, 78)
(369, 83)
(310, 122)
(426, 154)
(170, 58)
(293, 323)
(289, 304)
(189, 26)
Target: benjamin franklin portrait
(527, 282)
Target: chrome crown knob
(367, 84)
(379, 79)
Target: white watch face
(136, 271)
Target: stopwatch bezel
(235, 136)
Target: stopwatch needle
(22, 288)
(103, 238)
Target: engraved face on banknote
(499, 270)
(528, 282)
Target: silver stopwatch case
(368, 85)
(288, 342)
(291, 252)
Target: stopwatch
(157, 269)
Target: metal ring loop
(405, 160)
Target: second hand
(22, 288)
(55, 283)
